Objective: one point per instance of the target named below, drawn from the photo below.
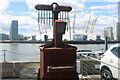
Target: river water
(30, 52)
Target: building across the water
(108, 31)
(78, 35)
(14, 30)
(117, 31)
(4, 37)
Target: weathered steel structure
(57, 60)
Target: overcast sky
(23, 11)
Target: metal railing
(5, 54)
(90, 67)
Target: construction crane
(88, 24)
(93, 25)
(74, 23)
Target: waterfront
(30, 52)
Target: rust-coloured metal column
(57, 37)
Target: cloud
(74, 3)
(16, 0)
(31, 3)
(99, 0)
(108, 7)
(106, 20)
(112, 0)
(30, 13)
(3, 5)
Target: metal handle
(111, 60)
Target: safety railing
(90, 68)
(6, 55)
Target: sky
(106, 12)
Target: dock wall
(19, 69)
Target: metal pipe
(67, 20)
(69, 26)
(50, 8)
(39, 24)
(41, 16)
(62, 15)
(65, 16)
(49, 18)
(44, 18)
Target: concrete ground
(90, 77)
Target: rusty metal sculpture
(57, 60)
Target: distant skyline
(23, 11)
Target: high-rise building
(108, 31)
(117, 31)
(119, 11)
(14, 30)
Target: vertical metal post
(45, 39)
(4, 53)
(106, 43)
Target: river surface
(30, 52)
